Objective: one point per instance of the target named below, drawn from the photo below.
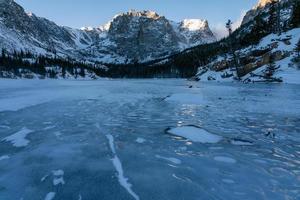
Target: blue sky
(79, 13)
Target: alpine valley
(143, 44)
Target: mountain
(128, 38)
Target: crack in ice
(118, 166)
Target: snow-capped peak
(144, 13)
(89, 28)
(194, 24)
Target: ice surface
(19, 139)
(106, 162)
(195, 134)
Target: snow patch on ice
(4, 157)
(50, 196)
(57, 181)
(58, 172)
(19, 139)
(140, 140)
(195, 134)
(225, 159)
(173, 160)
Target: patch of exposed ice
(19, 139)
(225, 159)
(57, 181)
(173, 160)
(140, 140)
(50, 196)
(4, 157)
(195, 134)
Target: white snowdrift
(19, 139)
(195, 134)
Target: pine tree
(297, 49)
(274, 17)
(270, 68)
(63, 71)
(295, 19)
(235, 58)
(3, 55)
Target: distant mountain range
(135, 36)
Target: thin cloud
(220, 30)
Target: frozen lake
(107, 139)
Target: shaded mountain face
(262, 7)
(19, 30)
(129, 37)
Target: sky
(83, 13)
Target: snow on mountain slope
(280, 48)
(129, 37)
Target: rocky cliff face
(129, 37)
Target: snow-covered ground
(148, 139)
